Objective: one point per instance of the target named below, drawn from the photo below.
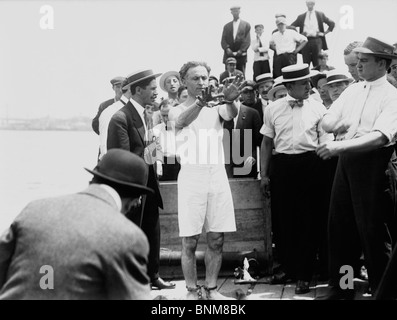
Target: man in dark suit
(130, 129)
(116, 85)
(231, 70)
(236, 39)
(311, 25)
(244, 130)
(79, 246)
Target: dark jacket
(126, 131)
(321, 19)
(243, 38)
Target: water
(38, 164)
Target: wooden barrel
(253, 219)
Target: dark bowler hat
(297, 72)
(124, 168)
(377, 48)
(139, 76)
(117, 80)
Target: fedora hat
(165, 76)
(377, 48)
(264, 77)
(139, 76)
(334, 76)
(124, 168)
(297, 72)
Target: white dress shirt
(378, 111)
(264, 49)
(286, 42)
(310, 26)
(236, 24)
(295, 130)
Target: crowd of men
(321, 142)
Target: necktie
(260, 45)
(295, 103)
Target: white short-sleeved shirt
(286, 42)
(378, 114)
(295, 130)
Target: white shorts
(204, 199)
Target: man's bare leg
(213, 263)
(189, 267)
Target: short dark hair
(192, 64)
(387, 61)
(143, 84)
(180, 89)
(167, 102)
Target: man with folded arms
(364, 120)
(292, 126)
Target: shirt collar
(377, 82)
(113, 193)
(137, 106)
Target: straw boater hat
(117, 80)
(297, 72)
(139, 76)
(334, 76)
(165, 76)
(278, 85)
(264, 77)
(125, 169)
(377, 48)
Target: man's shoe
(159, 284)
(280, 278)
(302, 287)
(338, 294)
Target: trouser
(295, 196)
(171, 169)
(360, 209)
(261, 67)
(282, 60)
(148, 220)
(311, 51)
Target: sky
(61, 66)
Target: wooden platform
(260, 290)
(253, 219)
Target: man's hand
(210, 97)
(229, 52)
(265, 186)
(231, 91)
(329, 149)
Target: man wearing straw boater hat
(364, 118)
(336, 83)
(79, 246)
(131, 129)
(292, 126)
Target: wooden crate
(253, 219)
